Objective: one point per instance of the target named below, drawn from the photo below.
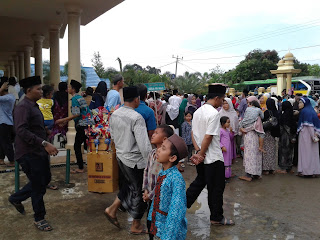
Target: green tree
(189, 83)
(98, 65)
(46, 72)
(303, 66)
(314, 70)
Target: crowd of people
(265, 130)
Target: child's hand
(224, 149)
(230, 128)
(146, 196)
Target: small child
(226, 137)
(186, 128)
(168, 209)
(153, 168)
(45, 106)
(251, 118)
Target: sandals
(52, 187)
(144, 231)
(223, 222)
(75, 171)
(112, 220)
(43, 225)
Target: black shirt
(29, 127)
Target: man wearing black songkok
(32, 151)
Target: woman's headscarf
(286, 117)
(308, 116)
(61, 96)
(263, 103)
(102, 88)
(313, 102)
(252, 98)
(181, 111)
(232, 115)
(271, 107)
(276, 102)
(189, 104)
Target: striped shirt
(129, 132)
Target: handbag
(271, 122)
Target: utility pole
(177, 60)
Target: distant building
(92, 77)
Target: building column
(21, 65)
(74, 65)
(27, 65)
(16, 66)
(12, 72)
(7, 70)
(280, 83)
(289, 78)
(38, 40)
(54, 56)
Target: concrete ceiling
(20, 19)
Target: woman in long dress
(288, 129)
(309, 132)
(252, 158)
(269, 160)
(228, 111)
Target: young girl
(45, 106)
(153, 168)
(186, 128)
(168, 209)
(251, 117)
(226, 137)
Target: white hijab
(232, 115)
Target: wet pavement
(275, 207)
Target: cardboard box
(101, 147)
(102, 172)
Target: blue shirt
(113, 99)
(148, 115)
(6, 107)
(79, 106)
(169, 206)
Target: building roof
(92, 77)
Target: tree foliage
(83, 74)
(98, 65)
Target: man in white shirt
(173, 111)
(208, 157)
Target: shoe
(18, 206)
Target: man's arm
(205, 144)
(195, 145)
(141, 136)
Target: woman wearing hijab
(182, 108)
(288, 129)
(99, 96)
(263, 101)
(309, 132)
(192, 104)
(252, 157)
(60, 109)
(228, 111)
(268, 157)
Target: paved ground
(276, 207)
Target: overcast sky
(149, 32)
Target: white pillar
(27, 66)
(38, 40)
(54, 56)
(8, 70)
(16, 66)
(12, 72)
(74, 65)
(21, 65)
(289, 82)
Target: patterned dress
(269, 157)
(168, 209)
(252, 159)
